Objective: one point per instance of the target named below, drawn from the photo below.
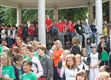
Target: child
(80, 64)
(103, 76)
(61, 64)
(15, 51)
(18, 66)
(81, 75)
(47, 64)
(28, 75)
(94, 63)
(88, 45)
(7, 70)
(71, 68)
(85, 56)
(104, 68)
(36, 65)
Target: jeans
(61, 36)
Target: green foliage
(29, 14)
(50, 12)
(8, 15)
(73, 14)
(106, 11)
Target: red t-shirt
(31, 30)
(71, 28)
(19, 33)
(60, 27)
(48, 22)
(65, 23)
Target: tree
(73, 14)
(8, 15)
(29, 14)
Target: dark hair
(27, 62)
(88, 41)
(17, 58)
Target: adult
(18, 42)
(79, 31)
(103, 49)
(48, 23)
(87, 30)
(31, 31)
(54, 30)
(20, 29)
(61, 31)
(25, 31)
(70, 30)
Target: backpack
(75, 50)
(88, 60)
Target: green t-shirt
(30, 76)
(29, 59)
(8, 72)
(104, 56)
(36, 54)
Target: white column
(110, 9)
(19, 16)
(99, 18)
(41, 21)
(56, 14)
(91, 13)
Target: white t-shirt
(70, 74)
(3, 35)
(40, 68)
(94, 58)
(83, 66)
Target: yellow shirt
(105, 31)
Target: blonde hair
(35, 44)
(75, 41)
(67, 52)
(59, 44)
(5, 55)
(103, 75)
(74, 61)
(78, 55)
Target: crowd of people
(71, 53)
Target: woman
(103, 49)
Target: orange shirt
(56, 56)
